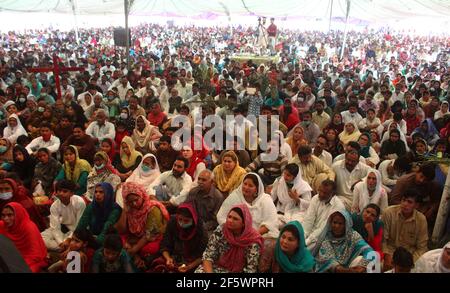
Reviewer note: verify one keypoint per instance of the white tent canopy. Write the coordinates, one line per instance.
(368, 10)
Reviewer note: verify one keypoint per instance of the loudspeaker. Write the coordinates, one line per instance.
(120, 37)
(10, 259)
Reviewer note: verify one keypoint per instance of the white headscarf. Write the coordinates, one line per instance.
(431, 262)
(262, 208)
(364, 198)
(439, 265)
(300, 186)
(145, 178)
(12, 133)
(142, 139)
(82, 102)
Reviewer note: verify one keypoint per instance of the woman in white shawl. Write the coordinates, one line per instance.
(285, 148)
(146, 174)
(291, 195)
(434, 261)
(189, 79)
(145, 135)
(14, 129)
(370, 190)
(86, 101)
(260, 204)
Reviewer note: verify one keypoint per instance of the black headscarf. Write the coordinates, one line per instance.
(24, 169)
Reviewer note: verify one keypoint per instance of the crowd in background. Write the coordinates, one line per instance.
(363, 140)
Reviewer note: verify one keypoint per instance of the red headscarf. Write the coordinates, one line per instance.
(234, 259)
(137, 218)
(21, 196)
(188, 234)
(119, 137)
(193, 162)
(26, 237)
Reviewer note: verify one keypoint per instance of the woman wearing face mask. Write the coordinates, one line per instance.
(36, 117)
(6, 155)
(183, 244)
(14, 129)
(369, 226)
(146, 173)
(112, 101)
(103, 171)
(12, 191)
(21, 102)
(339, 247)
(126, 120)
(370, 190)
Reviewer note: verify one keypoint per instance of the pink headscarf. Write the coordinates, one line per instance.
(137, 218)
(234, 259)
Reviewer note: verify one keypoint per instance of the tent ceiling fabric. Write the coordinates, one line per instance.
(370, 10)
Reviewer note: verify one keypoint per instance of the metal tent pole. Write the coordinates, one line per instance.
(77, 36)
(346, 29)
(127, 34)
(331, 14)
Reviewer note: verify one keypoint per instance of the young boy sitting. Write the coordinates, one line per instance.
(112, 258)
(403, 261)
(65, 213)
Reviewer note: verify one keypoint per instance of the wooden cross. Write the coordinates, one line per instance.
(56, 69)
